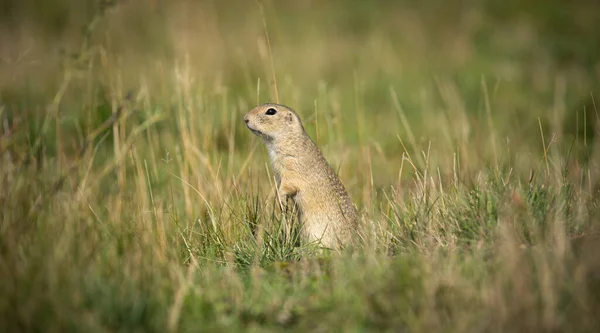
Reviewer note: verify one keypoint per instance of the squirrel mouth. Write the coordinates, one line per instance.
(258, 133)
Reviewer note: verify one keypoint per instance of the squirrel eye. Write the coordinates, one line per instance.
(271, 112)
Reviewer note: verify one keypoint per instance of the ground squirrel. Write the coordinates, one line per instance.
(302, 173)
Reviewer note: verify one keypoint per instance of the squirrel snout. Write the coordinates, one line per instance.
(246, 119)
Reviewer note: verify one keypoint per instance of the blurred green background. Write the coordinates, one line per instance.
(512, 61)
(464, 131)
(520, 45)
(530, 55)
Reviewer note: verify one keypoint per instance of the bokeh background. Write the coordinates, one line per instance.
(468, 65)
(134, 199)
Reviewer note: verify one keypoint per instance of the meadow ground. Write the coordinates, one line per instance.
(134, 199)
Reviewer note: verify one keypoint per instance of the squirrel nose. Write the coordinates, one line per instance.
(246, 119)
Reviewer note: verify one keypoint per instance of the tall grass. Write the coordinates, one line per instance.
(134, 199)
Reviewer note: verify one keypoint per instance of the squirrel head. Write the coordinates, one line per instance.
(273, 121)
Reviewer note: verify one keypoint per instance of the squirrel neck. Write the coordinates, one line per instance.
(294, 146)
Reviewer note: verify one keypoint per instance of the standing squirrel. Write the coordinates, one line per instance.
(325, 210)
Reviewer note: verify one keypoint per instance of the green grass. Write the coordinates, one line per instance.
(133, 198)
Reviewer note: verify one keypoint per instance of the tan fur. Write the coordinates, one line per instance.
(324, 208)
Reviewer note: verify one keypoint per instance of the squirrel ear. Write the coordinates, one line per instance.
(289, 117)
